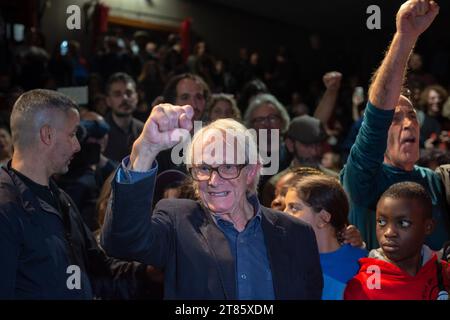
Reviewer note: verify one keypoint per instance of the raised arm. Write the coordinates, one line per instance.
(325, 108)
(413, 18)
(130, 231)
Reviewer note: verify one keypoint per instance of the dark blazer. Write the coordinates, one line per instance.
(181, 238)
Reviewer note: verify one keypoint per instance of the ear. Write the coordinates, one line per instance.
(252, 170)
(46, 134)
(289, 144)
(429, 226)
(324, 218)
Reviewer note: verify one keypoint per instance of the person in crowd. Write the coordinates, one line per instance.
(321, 201)
(151, 79)
(430, 116)
(184, 89)
(286, 180)
(387, 146)
(167, 185)
(188, 89)
(6, 147)
(250, 90)
(304, 141)
(89, 168)
(433, 158)
(269, 117)
(407, 268)
(47, 252)
(226, 246)
(331, 161)
(223, 106)
(122, 100)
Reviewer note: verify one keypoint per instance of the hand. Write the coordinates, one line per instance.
(332, 80)
(352, 235)
(431, 141)
(164, 128)
(158, 100)
(357, 98)
(415, 16)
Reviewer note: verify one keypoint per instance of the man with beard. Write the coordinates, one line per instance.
(387, 146)
(122, 99)
(183, 89)
(304, 141)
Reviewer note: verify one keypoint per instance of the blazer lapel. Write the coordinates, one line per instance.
(221, 253)
(275, 239)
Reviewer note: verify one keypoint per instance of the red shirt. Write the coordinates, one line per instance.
(394, 283)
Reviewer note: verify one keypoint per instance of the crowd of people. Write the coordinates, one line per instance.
(304, 209)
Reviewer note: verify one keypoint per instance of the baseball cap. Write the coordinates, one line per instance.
(307, 130)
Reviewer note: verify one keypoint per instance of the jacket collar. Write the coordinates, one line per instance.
(275, 239)
(29, 201)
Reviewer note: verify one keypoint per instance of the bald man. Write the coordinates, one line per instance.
(46, 251)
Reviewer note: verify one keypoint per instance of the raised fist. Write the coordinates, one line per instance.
(332, 80)
(415, 16)
(166, 126)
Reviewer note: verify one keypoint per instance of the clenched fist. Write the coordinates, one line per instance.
(415, 16)
(166, 126)
(332, 80)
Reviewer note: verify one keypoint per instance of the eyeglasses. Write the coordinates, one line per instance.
(225, 171)
(273, 119)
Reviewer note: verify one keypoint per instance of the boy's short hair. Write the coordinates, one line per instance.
(413, 191)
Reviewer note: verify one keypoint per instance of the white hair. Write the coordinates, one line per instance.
(231, 130)
(261, 99)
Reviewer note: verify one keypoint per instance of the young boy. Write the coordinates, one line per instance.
(403, 268)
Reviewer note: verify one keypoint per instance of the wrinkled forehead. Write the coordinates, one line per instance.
(215, 147)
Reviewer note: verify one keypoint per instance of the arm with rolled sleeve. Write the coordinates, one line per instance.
(367, 155)
(130, 231)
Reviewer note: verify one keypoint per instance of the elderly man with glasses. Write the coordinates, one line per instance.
(226, 245)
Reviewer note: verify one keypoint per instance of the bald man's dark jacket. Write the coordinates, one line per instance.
(38, 246)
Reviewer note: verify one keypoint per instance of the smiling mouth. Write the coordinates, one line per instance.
(219, 194)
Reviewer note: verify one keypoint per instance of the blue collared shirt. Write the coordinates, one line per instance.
(253, 273)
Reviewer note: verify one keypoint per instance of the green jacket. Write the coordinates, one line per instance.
(365, 177)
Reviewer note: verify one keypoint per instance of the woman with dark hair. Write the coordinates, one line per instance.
(321, 201)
